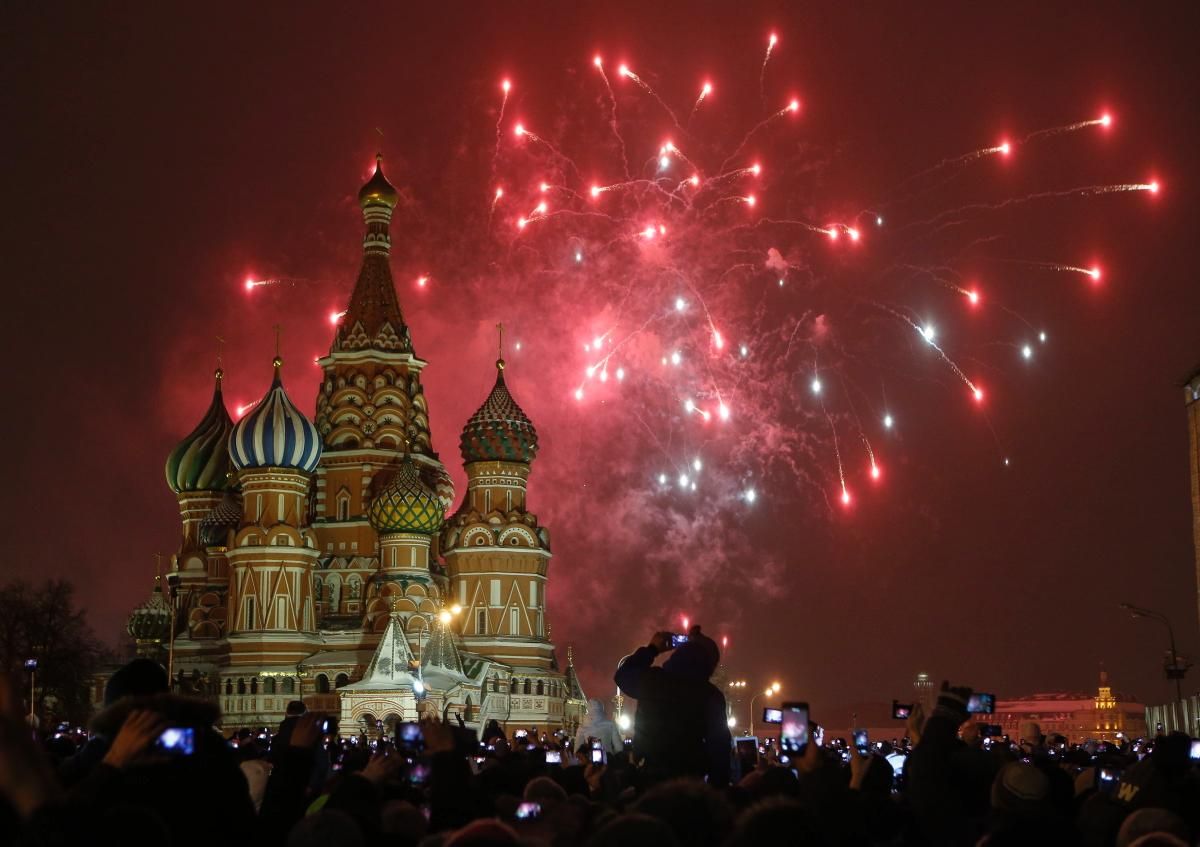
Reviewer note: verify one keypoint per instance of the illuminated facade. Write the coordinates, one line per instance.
(1079, 717)
(316, 561)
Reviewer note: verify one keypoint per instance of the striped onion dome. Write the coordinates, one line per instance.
(201, 461)
(406, 504)
(499, 431)
(274, 434)
(226, 515)
(151, 621)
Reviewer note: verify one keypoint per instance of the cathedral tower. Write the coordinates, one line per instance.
(272, 622)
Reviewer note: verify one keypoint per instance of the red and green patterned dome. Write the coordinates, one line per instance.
(406, 504)
(499, 431)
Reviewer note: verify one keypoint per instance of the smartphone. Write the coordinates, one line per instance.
(31, 664)
(410, 736)
(521, 733)
(1107, 779)
(598, 756)
(677, 639)
(554, 757)
(177, 740)
(418, 774)
(862, 743)
(529, 811)
(794, 728)
(981, 704)
(328, 725)
(1195, 751)
(901, 711)
(746, 750)
(772, 715)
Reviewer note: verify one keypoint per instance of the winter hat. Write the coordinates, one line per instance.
(696, 658)
(138, 678)
(1021, 789)
(1152, 823)
(1031, 732)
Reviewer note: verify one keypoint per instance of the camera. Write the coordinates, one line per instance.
(554, 757)
(678, 640)
(772, 715)
(981, 704)
(598, 756)
(521, 733)
(862, 743)
(901, 711)
(793, 738)
(177, 740)
(529, 811)
(328, 726)
(31, 664)
(1107, 779)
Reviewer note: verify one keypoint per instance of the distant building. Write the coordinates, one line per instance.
(923, 692)
(1191, 399)
(1077, 716)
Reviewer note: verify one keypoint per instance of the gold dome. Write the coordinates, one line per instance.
(378, 191)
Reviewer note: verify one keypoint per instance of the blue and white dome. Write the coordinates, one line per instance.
(274, 434)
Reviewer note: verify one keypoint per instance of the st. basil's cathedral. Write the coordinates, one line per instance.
(317, 561)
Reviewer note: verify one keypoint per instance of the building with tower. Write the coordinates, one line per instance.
(316, 560)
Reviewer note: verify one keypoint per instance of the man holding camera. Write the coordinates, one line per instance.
(681, 727)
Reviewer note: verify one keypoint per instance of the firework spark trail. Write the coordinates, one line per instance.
(862, 433)
(927, 335)
(1002, 149)
(1104, 121)
(522, 132)
(625, 71)
(1082, 191)
(792, 107)
(505, 86)
(612, 117)
(823, 230)
(1092, 272)
(705, 90)
(762, 74)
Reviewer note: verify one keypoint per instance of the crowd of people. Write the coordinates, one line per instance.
(154, 768)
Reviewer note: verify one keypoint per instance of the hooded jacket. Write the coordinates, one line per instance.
(600, 727)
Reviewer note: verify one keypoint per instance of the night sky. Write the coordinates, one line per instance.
(154, 158)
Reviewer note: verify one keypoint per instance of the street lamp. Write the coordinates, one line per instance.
(1174, 672)
(772, 689)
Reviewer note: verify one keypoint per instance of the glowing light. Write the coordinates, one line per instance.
(604, 375)
(519, 130)
(888, 421)
(624, 71)
(832, 232)
(517, 345)
(683, 480)
(744, 350)
(1152, 187)
(794, 106)
(927, 332)
(773, 40)
(751, 495)
(595, 191)
(853, 233)
(696, 465)
(845, 497)
(597, 342)
(544, 187)
(620, 374)
(781, 282)
(973, 296)
(249, 285)
(578, 257)
(756, 169)
(541, 208)
(505, 86)
(749, 200)
(879, 220)
(676, 358)
(1005, 148)
(816, 386)
(718, 341)
(334, 317)
(707, 89)
(680, 304)
(694, 180)
(456, 609)
(723, 412)
(522, 223)
(499, 193)
(874, 471)
(422, 281)
(624, 722)
(662, 479)
(1094, 273)
(689, 405)
(1042, 337)
(598, 62)
(1027, 352)
(664, 162)
(978, 394)
(444, 616)
(418, 687)
(687, 624)
(578, 393)
(1106, 119)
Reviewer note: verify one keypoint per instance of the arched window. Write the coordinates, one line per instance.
(228, 687)
(269, 685)
(254, 685)
(322, 684)
(241, 686)
(340, 680)
(541, 687)
(528, 686)
(343, 505)
(289, 685)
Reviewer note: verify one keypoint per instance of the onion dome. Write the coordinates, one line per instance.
(201, 461)
(406, 504)
(499, 431)
(378, 191)
(226, 515)
(151, 621)
(275, 434)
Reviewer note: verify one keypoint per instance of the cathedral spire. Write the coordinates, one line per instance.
(373, 318)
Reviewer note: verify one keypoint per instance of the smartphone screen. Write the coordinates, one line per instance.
(554, 757)
(1107, 779)
(180, 740)
(901, 711)
(981, 704)
(772, 715)
(677, 640)
(529, 811)
(1195, 751)
(747, 753)
(794, 728)
(597, 755)
(862, 743)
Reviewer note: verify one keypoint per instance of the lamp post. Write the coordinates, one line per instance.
(1174, 672)
(772, 689)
